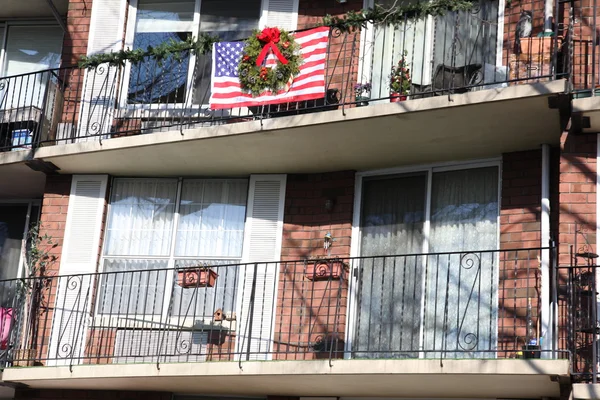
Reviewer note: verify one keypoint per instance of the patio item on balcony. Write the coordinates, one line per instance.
(325, 269)
(400, 80)
(327, 103)
(6, 318)
(362, 94)
(196, 277)
(456, 79)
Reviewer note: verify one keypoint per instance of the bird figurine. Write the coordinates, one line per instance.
(524, 27)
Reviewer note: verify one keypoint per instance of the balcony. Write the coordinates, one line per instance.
(468, 320)
(121, 119)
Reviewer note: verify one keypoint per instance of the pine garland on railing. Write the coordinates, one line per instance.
(396, 15)
(349, 22)
(167, 49)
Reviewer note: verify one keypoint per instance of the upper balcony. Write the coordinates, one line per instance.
(468, 320)
(463, 77)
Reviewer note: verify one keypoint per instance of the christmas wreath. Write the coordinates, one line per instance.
(255, 77)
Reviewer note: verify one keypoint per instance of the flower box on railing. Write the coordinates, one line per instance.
(196, 277)
(325, 269)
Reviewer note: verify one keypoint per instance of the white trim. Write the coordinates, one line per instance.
(429, 169)
(500, 33)
(436, 167)
(546, 331)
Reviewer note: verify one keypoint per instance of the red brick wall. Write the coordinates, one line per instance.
(52, 223)
(309, 311)
(520, 209)
(344, 50)
(59, 394)
(520, 214)
(577, 192)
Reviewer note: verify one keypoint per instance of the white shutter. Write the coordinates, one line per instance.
(280, 13)
(79, 257)
(100, 84)
(262, 249)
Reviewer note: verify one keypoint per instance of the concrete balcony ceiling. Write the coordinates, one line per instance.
(31, 8)
(509, 378)
(478, 124)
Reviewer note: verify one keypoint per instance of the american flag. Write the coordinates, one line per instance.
(309, 84)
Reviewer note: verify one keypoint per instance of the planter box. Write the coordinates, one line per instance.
(196, 277)
(324, 270)
(536, 46)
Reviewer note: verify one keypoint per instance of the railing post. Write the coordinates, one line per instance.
(251, 312)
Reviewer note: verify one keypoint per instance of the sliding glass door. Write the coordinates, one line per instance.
(430, 294)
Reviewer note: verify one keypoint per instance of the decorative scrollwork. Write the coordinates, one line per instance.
(74, 282)
(94, 127)
(469, 260)
(470, 341)
(335, 32)
(183, 346)
(101, 69)
(65, 350)
(3, 84)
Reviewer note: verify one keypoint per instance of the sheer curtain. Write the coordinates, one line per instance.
(393, 215)
(211, 226)
(457, 311)
(461, 290)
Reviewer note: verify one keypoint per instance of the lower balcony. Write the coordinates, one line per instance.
(468, 321)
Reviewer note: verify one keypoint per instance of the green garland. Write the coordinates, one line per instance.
(350, 22)
(171, 48)
(255, 79)
(354, 20)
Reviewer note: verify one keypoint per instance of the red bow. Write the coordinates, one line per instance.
(270, 36)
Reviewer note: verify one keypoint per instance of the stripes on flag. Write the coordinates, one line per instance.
(309, 84)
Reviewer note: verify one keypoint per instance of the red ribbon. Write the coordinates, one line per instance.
(270, 36)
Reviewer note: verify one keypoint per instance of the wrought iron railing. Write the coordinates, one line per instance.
(455, 53)
(578, 301)
(480, 304)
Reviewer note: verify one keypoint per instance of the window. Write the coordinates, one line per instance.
(139, 253)
(158, 21)
(437, 211)
(28, 49)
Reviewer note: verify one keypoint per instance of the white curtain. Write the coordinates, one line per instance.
(461, 290)
(457, 312)
(393, 215)
(141, 217)
(212, 215)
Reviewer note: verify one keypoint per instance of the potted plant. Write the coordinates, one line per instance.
(196, 276)
(362, 94)
(400, 80)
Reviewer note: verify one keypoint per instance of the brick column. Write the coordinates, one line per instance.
(310, 311)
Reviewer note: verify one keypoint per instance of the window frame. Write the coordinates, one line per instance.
(124, 321)
(4, 28)
(129, 38)
(355, 242)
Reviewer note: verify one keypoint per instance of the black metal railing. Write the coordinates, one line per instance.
(480, 304)
(454, 53)
(578, 301)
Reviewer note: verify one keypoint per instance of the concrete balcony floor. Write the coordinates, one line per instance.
(508, 378)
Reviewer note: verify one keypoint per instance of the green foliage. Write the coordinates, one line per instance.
(39, 257)
(400, 77)
(257, 79)
(172, 48)
(354, 20)
(349, 22)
